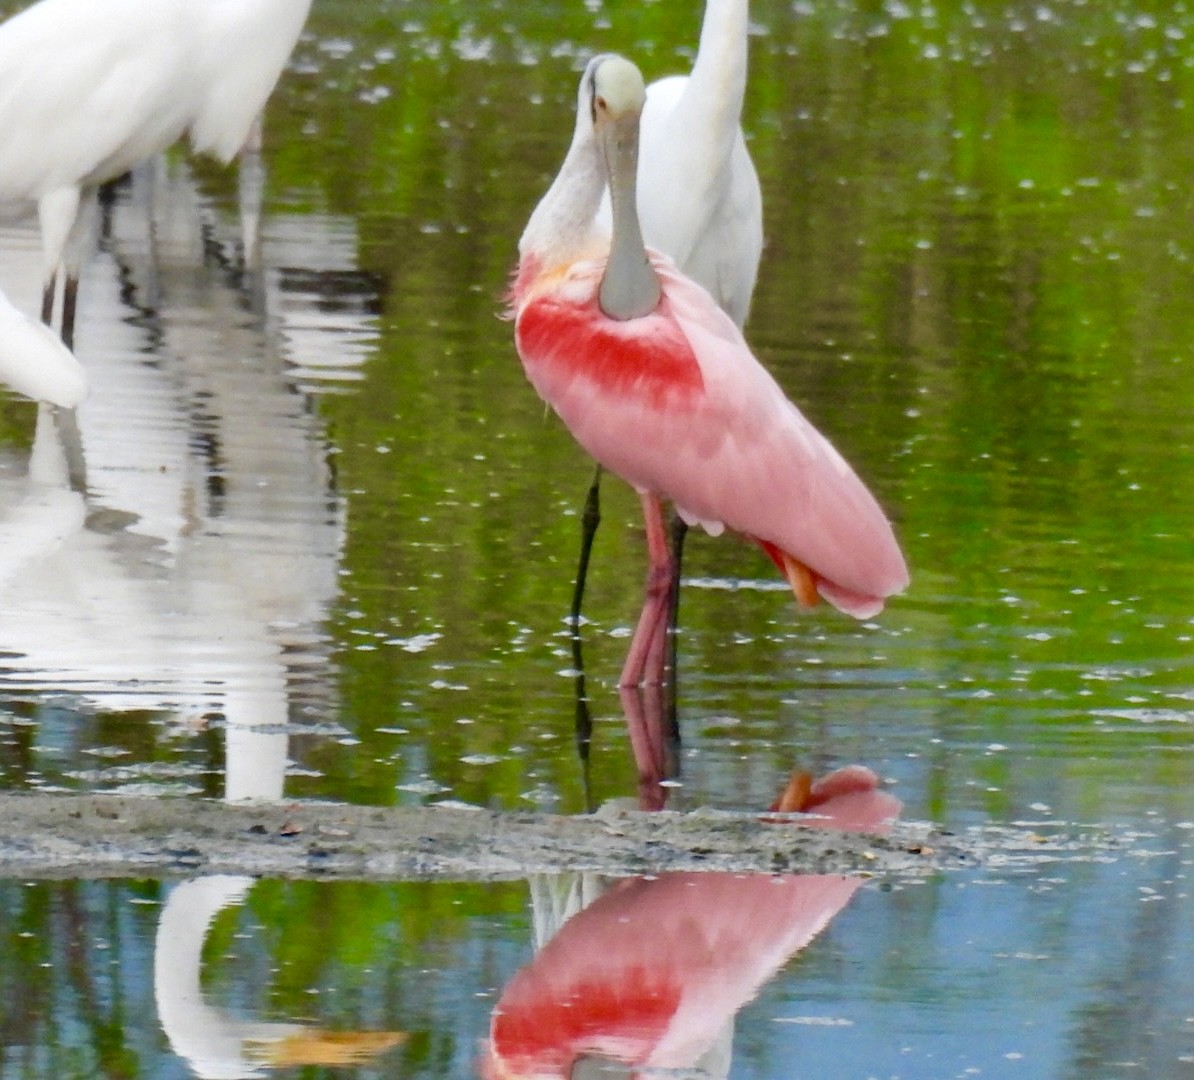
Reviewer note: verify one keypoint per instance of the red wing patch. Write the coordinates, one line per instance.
(647, 359)
(634, 1010)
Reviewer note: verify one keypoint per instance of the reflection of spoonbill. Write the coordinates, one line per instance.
(35, 363)
(651, 974)
(657, 383)
(699, 200)
(87, 90)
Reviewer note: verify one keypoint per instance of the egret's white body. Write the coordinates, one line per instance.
(35, 363)
(87, 90)
(699, 200)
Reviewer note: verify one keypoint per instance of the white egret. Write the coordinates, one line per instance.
(87, 90)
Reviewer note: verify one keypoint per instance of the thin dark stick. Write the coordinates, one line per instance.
(70, 296)
(583, 720)
(672, 672)
(590, 519)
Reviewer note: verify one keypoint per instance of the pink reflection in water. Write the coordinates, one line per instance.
(651, 974)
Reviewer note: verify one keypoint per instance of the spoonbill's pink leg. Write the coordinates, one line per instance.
(648, 741)
(648, 649)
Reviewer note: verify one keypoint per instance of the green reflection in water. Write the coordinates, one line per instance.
(77, 961)
(976, 281)
(978, 234)
(979, 237)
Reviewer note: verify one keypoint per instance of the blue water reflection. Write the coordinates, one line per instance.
(977, 971)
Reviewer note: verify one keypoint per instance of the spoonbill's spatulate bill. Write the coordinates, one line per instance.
(699, 200)
(657, 383)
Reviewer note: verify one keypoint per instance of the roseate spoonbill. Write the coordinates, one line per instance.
(656, 382)
(35, 363)
(699, 200)
(88, 90)
(648, 977)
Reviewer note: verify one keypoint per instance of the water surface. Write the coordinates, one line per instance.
(329, 534)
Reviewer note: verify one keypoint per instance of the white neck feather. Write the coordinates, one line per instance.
(717, 84)
(563, 227)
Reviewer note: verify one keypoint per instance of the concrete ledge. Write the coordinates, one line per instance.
(94, 836)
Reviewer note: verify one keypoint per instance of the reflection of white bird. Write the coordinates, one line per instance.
(698, 193)
(216, 1043)
(211, 1040)
(88, 90)
(194, 577)
(195, 574)
(35, 363)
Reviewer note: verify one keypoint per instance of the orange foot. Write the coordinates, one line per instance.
(794, 798)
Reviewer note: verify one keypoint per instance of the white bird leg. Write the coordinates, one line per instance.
(67, 421)
(70, 303)
(57, 455)
(648, 649)
(81, 244)
(56, 213)
(48, 289)
(69, 217)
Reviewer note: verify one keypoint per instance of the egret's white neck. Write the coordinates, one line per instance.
(718, 78)
(563, 227)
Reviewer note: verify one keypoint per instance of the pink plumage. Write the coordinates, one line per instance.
(677, 405)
